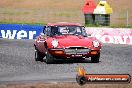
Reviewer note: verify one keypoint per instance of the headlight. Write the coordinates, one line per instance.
(95, 43)
(54, 43)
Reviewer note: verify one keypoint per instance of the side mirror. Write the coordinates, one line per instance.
(42, 35)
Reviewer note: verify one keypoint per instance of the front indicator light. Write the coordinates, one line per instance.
(58, 52)
(94, 52)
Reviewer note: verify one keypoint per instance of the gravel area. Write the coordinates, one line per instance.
(17, 63)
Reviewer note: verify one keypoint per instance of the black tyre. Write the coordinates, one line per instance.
(38, 56)
(49, 58)
(95, 59)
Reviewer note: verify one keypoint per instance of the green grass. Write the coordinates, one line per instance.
(88, 25)
(111, 26)
(33, 23)
(121, 26)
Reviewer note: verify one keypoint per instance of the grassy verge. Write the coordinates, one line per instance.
(33, 23)
(121, 26)
(117, 26)
(89, 25)
(40, 11)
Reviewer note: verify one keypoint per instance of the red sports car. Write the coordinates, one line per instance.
(66, 41)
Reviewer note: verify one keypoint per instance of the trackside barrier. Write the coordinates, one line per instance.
(105, 35)
(112, 35)
(19, 31)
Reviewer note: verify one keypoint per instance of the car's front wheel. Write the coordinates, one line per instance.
(38, 56)
(49, 58)
(95, 59)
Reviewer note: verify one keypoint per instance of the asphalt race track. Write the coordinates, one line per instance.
(17, 63)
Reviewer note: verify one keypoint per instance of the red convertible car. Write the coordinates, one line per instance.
(66, 41)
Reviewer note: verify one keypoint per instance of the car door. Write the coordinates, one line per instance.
(42, 39)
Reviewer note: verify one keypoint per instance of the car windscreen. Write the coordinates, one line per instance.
(72, 30)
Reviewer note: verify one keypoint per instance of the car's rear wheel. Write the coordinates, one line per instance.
(38, 56)
(49, 58)
(95, 59)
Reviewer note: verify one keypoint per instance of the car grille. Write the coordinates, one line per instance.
(76, 51)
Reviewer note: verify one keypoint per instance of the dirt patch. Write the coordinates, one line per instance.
(66, 85)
